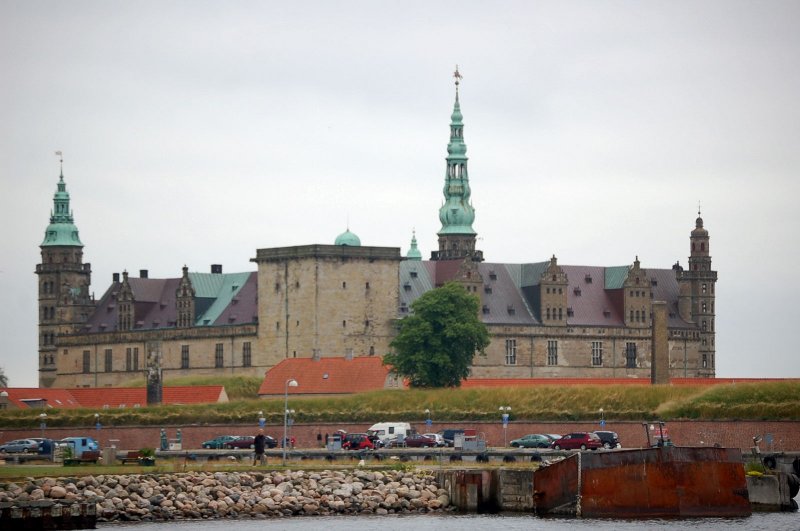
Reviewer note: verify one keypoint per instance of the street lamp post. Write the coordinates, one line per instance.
(291, 382)
(261, 420)
(428, 421)
(43, 422)
(602, 418)
(504, 412)
(97, 424)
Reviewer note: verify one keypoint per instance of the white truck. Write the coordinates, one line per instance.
(390, 431)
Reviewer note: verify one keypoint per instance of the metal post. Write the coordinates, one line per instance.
(43, 422)
(291, 382)
(504, 410)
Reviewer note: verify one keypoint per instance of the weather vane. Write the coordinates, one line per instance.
(61, 161)
(698, 208)
(457, 75)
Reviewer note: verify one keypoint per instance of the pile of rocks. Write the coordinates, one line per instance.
(239, 494)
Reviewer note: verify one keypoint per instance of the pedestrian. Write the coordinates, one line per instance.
(258, 444)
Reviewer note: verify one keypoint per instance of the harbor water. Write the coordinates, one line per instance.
(450, 522)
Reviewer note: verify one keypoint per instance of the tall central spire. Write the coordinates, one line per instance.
(456, 237)
(62, 230)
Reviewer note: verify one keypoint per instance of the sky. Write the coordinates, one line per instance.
(197, 132)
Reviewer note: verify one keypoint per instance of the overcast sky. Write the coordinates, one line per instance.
(197, 132)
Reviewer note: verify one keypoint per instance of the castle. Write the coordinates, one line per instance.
(343, 300)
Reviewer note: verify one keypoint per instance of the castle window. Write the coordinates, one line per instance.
(705, 326)
(511, 351)
(492, 275)
(693, 246)
(407, 286)
(246, 354)
(108, 360)
(631, 319)
(366, 286)
(705, 307)
(703, 288)
(548, 313)
(637, 315)
(630, 355)
(413, 274)
(277, 325)
(702, 246)
(511, 310)
(597, 353)
(366, 323)
(344, 285)
(560, 291)
(128, 359)
(548, 290)
(552, 352)
(487, 289)
(588, 278)
(87, 367)
(184, 356)
(344, 324)
(371, 350)
(218, 356)
(705, 360)
(135, 358)
(485, 310)
(577, 291)
(277, 286)
(570, 312)
(560, 314)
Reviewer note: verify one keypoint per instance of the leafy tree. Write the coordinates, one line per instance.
(437, 342)
(3, 378)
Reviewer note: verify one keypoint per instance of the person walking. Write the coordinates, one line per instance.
(258, 444)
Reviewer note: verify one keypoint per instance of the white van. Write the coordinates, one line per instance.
(389, 431)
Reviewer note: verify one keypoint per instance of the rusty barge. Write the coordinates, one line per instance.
(669, 481)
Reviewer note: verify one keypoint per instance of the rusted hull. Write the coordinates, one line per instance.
(653, 482)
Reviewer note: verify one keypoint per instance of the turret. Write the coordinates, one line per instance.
(64, 280)
(553, 295)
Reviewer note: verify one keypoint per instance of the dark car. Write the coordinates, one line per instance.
(532, 440)
(24, 446)
(357, 441)
(249, 441)
(578, 440)
(450, 434)
(609, 439)
(419, 441)
(219, 442)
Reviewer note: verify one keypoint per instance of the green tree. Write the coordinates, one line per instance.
(437, 342)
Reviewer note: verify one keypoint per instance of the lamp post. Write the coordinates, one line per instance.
(97, 424)
(428, 421)
(261, 420)
(504, 412)
(602, 418)
(291, 382)
(43, 422)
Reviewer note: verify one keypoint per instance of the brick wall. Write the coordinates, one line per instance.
(734, 434)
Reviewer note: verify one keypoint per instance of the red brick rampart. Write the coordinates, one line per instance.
(734, 434)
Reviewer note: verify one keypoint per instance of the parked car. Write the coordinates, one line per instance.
(532, 440)
(249, 441)
(218, 442)
(578, 440)
(449, 435)
(436, 437)
(17, 446)
(357, 441)
(418, 440)
(609, 439)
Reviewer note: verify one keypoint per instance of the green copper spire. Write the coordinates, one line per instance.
(413, 254)
(62, 230)
(456, 214)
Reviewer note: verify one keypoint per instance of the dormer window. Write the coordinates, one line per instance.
(588, 278)
(413, 274)
(485, 310)
(492, 275)
(577, 291)
(487, 289)
(511, 310)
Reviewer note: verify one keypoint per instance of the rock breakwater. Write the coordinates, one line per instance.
(239, 494)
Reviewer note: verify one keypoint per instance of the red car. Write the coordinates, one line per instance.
(419, 441)
(577, 441)
(357, 441)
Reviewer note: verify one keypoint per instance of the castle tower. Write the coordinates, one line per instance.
(697, 295)
(64, 301)
(457, 237)
(637, 297)
(413, 253)
(553, 295)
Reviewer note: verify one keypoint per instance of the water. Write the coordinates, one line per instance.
(770, 521)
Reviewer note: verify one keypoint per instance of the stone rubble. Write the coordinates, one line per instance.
(239, 494)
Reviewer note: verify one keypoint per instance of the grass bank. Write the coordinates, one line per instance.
(747, 401)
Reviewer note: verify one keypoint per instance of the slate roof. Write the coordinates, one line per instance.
(510, 294)
(220, 299)
(112, 397)
(328, 376)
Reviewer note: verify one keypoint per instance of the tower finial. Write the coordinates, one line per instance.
(458, 77)
(61, 162)
(698, 208)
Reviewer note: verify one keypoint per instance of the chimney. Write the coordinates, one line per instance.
(115, 277)
(216, 269)
(143, 273)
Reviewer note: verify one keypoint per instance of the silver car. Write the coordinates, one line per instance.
(25, 446)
